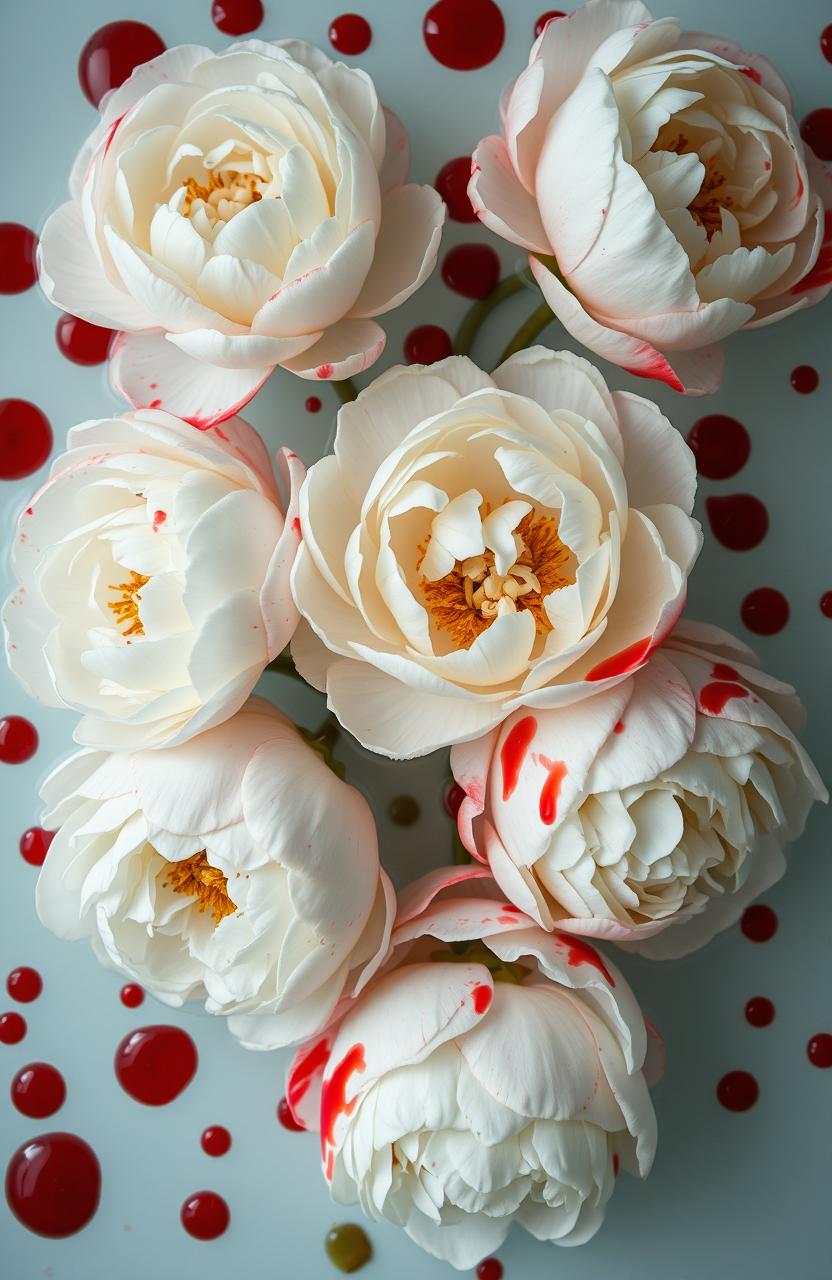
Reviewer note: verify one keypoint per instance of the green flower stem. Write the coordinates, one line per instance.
(477, 314)
(526, 334)
(345, 389)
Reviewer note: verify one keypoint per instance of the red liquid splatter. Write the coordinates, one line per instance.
(819, 1050)
(580, 952)
(313, 404)
(547, 17)
(205, 1215)
(334, 1100)
(111, 54)
(759, 1011)
(350, 34)
(159, 518)
(825, 604)
(12, 1028)
(481, 997)
(513, 753)
(53, 1184)
(453, 798)
(472, 270)
(759, 923)
(236, 17)
(721, 671)
(38, 1090)
(714, 697)
(826, 42)
(739, 521)
(34, 845)
(765, 611)
(621, 663)
(284, 1115)
(452, 184)
(155, 1064)
(618, 727)
(305, 1069)
(805, 379)
(464, 34)
(550, 791)
(737, 1091)
(132, 995)
(18, 260)
(816, 132)
(720, 444)
(490, 1269)
(25, 439)
(215, 1140)
(426, 344)
(24, 984)
(82, 342)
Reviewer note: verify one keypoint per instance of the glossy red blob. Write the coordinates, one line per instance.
(53, 1184)
(759, 1011)
(112, 52)
(550, 791)
(452, 184)
(155, 1064)
(737, 1091)
(765, 611)
(759, 922)
(490, 1269)
(334, 1100)
(464, 34)
(805, 379)
(215, 1140)
(82, 342)
(620, 663)
(819, 1050)
(284, 1115)
(426, 344)
(513, 753)
(714, 697)
(453, 798)
(38, 1090)
(472, 270)
(481, 997)
(350, 34)
(825, 604)
(236, 17)
(580, 952)
(304, 1070)
(816, 132)
(739, 521)
(547, 17)
(12, 1028)
(720, 444)
(131, 995)
(205, 1215)
(313, 404)
(826, 42)
(34, 845)
(24, 984)
(25, 439)
(18, 257)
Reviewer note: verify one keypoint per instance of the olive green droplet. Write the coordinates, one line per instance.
(347, 1246)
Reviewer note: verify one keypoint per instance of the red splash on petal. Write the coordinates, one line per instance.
(302, 1072)
(721, 671)
(714, 697)
(622, 663)
(618, 727)
(580, 952)
(481, 997)
(159, 518)
(550, 792)
(513, 753)
(334, 1101)
(324, 371)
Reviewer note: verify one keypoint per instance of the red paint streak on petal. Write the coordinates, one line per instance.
(801, 187)
(334, 1101)
(714, 696)
(303, 1072)
(509, 906)
(154, 404)
(656, 367)
(296, 525)
(622, 663)
(618, 727)
(159, 517)
(580, 952)
(111, 132)
(513, 753)
(721, 671)
(324, 371)
(616, 1163)
(752, 74)
(481, 997)
(551, 789)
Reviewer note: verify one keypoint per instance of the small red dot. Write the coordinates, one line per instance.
(12, 1028)
(737, 1091)
(759, 1011)
(350, 34)
(720, 445)
(452, 184)
(18, 740)
(826, 604)
(24, 984)
(464, 34)
(472, 270)
(819, 1050)
(236, 17)
(111, 55)
(805, 379)
(826, 42)
(286, 1118)
(313, 404)
(25, 439)
(18, 257)
(816, 132)
(427, 344)
(547, 17)
(490, 1269)
(765, 611)
(38, 1090)
(215, 1140)
(34, 845)
(205, 1215)
(759, 923)
(82, 342)
(453, 798)
(132, 995)
(739, 520)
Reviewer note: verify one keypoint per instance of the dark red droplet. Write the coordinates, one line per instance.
(490, 1269)
(805, 379)
(112, 53)
(53, 1184)
(205, 1215)
(12, 1028)
(38, 1090)
(215, 1140)
(284, 1115)
(737, 1091)
(547, 17)
(155, 1064)
(720, 444)
(819, 1050)
(427, 344)
(826, 42)
(739, 521)
(24, 984)
(825, 604)
(18, 257)
(452, 184)
(472, 270)
(765, 611)
(25, 439)
(132, 995)
(759, 923)
(759, 1011)
(350, 34)
(452, 798)
(816, 132)
(82, 342)
(464, 34)
(313, 404)
(236, 17)
(34, 845)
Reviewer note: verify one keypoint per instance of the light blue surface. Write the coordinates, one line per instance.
(731, 1197)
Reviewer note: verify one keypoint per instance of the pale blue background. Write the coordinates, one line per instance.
(731, 1197)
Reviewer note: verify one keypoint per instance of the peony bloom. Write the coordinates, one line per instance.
(238, 211)
(656, 810)
(661, 187)
(154, 577)
(481, 1082)
(236, 869)
(482, 543)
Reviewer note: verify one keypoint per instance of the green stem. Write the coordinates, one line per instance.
(526, 334)
(477, 314)
(345, 389)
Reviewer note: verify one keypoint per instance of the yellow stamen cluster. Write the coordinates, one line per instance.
(224, 193)
(711, 197)
(197, 877)
(126, 607)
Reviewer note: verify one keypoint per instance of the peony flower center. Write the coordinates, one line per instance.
(712, 197)
(196, 876)
(225, 193)
(126, 606)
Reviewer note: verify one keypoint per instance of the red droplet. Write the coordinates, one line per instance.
(38, 1090)
(111, 54)
(714, 697)
(805, 379)
(816, 132)
(350, 34)
(765, 611)
(819, 1050)
(132, 995)
(737, 1091)
(616, 1163)
(34, 845)
(304, 1070)
(334, 1100)
(618, 727)
(53, 1184)
(205, 1215)
(284, 1115)
(490, 1269)
(481, 997)
(313, 404)
(472, 270)
(826, 42)
(25, 439)
(825, 604)
(12, 1028)
(580, 952)
(426, 344)
(24, 984)
(82, 342)
(236, 17)
(215, 1140)
(720, 444)
(759, 923)
(18, 257)
(739, 521)
(452, 184)
(547, 17)
(155, 1064)
(464, 34)
(550, 792)
(513, 753)
(453, 798)
(621, 663)
(759, 1011)
(721, 671)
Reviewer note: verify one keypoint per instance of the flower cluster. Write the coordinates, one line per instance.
(493, 562)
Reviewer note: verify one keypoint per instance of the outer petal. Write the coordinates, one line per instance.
(501, 202)
(406, 247)
(347, 348)
(72, 277)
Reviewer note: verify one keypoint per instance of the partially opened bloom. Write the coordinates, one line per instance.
(153, 570)
(237, 211)
(478, 543)
(653, 813)
(236, 869)
(481, 1082)
(660, 184)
